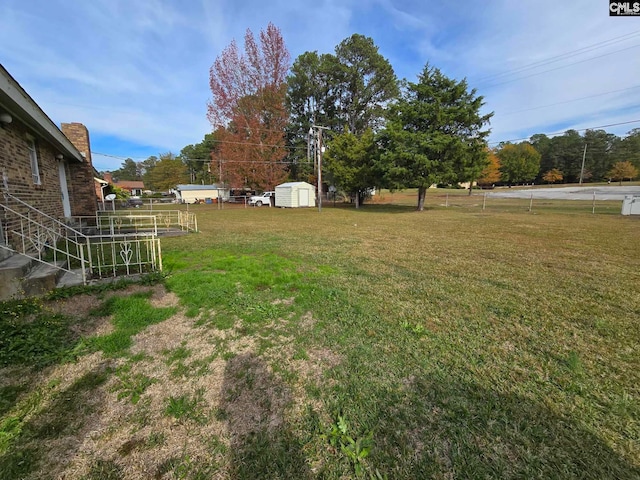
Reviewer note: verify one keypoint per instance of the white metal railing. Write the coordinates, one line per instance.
(45, 239)
(125, 254)
(144, 221)
(187, 221)
(131, 223)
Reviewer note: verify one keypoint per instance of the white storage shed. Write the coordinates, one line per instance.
(295, 194)
(191, 193)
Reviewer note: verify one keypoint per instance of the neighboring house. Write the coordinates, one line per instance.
(193, 193)
(295, 194)
(44, 166)
(132, 187)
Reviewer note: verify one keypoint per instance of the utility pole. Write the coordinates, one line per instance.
(319, 154)
(584, 155)
(220, 200)
(309, 138)
(319, 170)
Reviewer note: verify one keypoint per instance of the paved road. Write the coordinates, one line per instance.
(611, 192)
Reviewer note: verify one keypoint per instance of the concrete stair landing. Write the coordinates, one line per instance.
(21, 276)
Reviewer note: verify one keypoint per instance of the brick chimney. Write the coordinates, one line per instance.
(78, 134)
(80, 178)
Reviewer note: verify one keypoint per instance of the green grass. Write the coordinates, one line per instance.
(32, 336)
(44, 416)
(469, 339)
(452, 343)
(186, 407)
(130, 316)
(131, 385)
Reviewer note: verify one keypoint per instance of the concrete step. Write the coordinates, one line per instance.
(12, 271)
(42, 278)
(70, 279)
(4, 252)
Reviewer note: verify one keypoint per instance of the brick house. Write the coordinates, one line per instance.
(43, 165)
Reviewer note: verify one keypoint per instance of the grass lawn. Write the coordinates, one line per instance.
(379, 343)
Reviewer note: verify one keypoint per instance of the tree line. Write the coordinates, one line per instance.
(377, 131)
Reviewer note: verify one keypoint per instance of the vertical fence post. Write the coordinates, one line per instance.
(446, 202)
(83, 262)
(593, 208)
(531, 202)
(484, 201)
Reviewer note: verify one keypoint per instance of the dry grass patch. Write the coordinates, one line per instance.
(236, 396)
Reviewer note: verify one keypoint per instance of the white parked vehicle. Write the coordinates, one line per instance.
(264, 199)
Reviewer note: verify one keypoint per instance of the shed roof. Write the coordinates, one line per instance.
(294, 184)
(187, 188)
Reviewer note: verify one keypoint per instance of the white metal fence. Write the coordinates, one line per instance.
(145, 221)
(34, 234)
(119, 255)
(129, 244)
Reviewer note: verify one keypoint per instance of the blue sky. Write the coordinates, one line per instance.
(136, 72)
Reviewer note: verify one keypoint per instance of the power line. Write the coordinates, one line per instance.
(307, 162)
(561, 67)
(572, 100)
(208, 160)
(562, 56)
(218, 141)
(560, 133)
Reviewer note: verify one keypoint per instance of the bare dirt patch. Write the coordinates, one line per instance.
(283, 301)
(143, 439)
(123, 432)
(78, 306)
(253, 399)
(307, 321)
(161, 298)
(93, 326)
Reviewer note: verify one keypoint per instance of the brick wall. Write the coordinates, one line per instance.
(16, 165)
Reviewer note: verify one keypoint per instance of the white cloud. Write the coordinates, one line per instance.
(136, 73)
(537, 32)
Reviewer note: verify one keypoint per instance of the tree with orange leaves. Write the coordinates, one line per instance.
(491, 173)
(248, 110)
(552, 176)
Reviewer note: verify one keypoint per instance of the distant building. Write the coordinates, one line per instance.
(193, 193)
(132, 187)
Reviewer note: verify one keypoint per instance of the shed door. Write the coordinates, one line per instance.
(303, 197)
